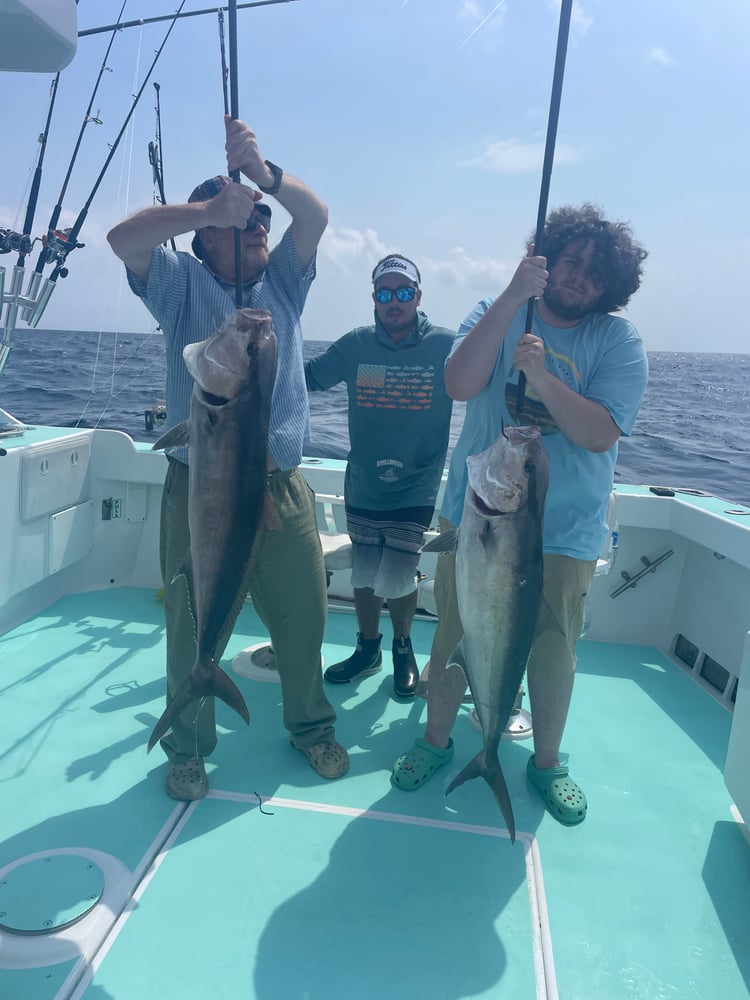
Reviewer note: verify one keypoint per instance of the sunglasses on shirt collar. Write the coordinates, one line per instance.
(404, 294)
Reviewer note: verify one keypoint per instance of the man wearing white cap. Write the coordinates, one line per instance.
(399, 421)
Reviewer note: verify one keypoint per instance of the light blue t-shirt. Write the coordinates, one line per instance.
(603, 359)
(190, 303)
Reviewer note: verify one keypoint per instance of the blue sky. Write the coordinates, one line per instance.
(422, 124)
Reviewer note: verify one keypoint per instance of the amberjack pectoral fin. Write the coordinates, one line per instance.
(493, 775)
(175, 437)
(446, 541)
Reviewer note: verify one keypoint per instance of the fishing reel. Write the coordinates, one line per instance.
(57, 245)
(12, 242)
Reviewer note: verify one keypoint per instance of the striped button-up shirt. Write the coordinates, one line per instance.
(190, 302)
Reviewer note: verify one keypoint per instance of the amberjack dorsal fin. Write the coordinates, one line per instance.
(175, 437)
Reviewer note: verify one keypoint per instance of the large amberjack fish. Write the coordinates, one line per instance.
(228, 505)
(499, 575)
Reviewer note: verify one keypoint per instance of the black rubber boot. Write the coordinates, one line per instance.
(405, 670)
(365, 660)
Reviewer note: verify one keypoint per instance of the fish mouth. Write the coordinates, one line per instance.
(211, 400)
(484, 508)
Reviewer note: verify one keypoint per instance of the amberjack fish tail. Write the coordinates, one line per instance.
(490, 770)
(204, 680)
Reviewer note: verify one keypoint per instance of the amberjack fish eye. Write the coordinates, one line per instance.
(528, 467)
(251, 349)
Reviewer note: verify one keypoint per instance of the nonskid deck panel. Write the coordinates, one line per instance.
(373, 889)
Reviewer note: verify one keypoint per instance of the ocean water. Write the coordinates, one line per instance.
(693, 430)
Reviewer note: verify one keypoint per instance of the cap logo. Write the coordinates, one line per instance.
(396, 265)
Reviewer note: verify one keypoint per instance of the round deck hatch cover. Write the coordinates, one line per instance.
(49, 893)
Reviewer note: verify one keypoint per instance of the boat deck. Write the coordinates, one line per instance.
(354, 889)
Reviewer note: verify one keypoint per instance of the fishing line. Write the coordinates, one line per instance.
(78, 224)
(224, 70)
(549, 154)
(156, 158)
(86, 119)
(35, 184)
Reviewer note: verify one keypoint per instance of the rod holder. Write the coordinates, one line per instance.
(41, 303)
(12, 300)
(649, 566)
(31, 294)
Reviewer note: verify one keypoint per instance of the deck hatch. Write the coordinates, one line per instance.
(49, 893)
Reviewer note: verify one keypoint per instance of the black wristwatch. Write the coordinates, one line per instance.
(275, 184)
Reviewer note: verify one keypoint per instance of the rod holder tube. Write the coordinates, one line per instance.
(31, 294)
(5, 346)
(16, 284)
(41, 305)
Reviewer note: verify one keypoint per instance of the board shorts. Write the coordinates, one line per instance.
(385, 548)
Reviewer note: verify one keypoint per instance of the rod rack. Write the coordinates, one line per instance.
(649, 566)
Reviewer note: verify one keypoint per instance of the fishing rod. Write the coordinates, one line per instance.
(166, 17)
(58, 240)
(235, 114)
(549, 154)
(23, 241)
(34, 193)
(155, 158)
(224, 70)
(72, 237)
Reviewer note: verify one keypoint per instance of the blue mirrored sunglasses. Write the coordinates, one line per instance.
(404, 294)
(261, 216)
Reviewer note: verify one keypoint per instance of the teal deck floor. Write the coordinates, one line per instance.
(354, 889)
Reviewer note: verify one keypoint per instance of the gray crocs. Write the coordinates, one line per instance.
(186, 780)
(328, 759)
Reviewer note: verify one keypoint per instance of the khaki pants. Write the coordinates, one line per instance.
(566, 584)
(288, 587)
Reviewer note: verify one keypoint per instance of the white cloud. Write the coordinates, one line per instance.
(354, 251)
(348, 249)
(515, 156)
(659, 55)
(460, 269)
(485, 17)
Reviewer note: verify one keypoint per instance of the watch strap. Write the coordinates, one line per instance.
(278, 174)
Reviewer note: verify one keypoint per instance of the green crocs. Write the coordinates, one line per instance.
(415, 767)
(562, 796)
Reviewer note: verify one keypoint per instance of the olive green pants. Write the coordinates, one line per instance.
(287, 583)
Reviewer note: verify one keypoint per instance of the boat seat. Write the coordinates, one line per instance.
(337, 551)
(259, 661)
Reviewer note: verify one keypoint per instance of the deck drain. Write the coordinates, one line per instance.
(49, 893)
(258, 662)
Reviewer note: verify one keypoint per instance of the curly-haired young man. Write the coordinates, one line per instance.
(586, 372)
